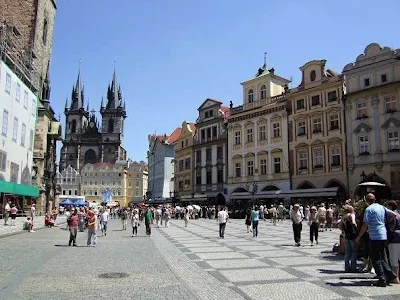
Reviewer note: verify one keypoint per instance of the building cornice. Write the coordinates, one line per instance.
(372, 89)
(324, 86)
(251, 114)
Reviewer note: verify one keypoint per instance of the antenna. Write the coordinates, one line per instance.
(265, 59)
(291, 81)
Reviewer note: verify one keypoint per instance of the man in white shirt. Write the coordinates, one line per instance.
(103, 221)
(222, 219)
(297, 217)
(7, 209)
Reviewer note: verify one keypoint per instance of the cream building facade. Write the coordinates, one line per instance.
(373, 119)
(95, 178)
(257, 139)
(183, 174)
(317, 133)
(137, 180)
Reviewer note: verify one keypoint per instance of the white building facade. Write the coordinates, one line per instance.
(18, 111)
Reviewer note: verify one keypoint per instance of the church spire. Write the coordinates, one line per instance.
(77, 93)
(114, 93)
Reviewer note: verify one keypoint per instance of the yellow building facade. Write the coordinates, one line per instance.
(373, 120)
(137, 181)
(317, 143)
(183, 169)
(257, 138)
(99, 176)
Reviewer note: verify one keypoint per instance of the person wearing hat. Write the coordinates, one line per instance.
(297, 217)
(314, 225)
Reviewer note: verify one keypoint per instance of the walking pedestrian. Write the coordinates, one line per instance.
(73, 222)
(13, 214)
(92, 229)
(247, 221)
(148, 219)
(104, 216)
(255, 218)
(297, 217)
(135, 222)
(222, 219)
(7, 209)
(348, 226)
(124, 218)
(314, 225)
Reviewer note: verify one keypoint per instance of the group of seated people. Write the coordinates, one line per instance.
(49, 221)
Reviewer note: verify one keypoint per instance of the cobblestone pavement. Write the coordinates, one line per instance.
(180, 263)
(7, 230)
(269, 266)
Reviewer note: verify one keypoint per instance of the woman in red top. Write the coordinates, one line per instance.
(13, 214)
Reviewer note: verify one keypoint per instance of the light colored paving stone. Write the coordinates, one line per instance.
(256, 275)
(257, 248)
(210, 249)
(273, 254)
(300, 260)
(236, 263)
(226, 255)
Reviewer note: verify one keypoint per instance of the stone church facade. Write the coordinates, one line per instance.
(87, 139)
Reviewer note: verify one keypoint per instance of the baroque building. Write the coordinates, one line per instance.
(210, 167)
(69, 182)
(257, 139)
(183, 174)
(317, 133)
(373, 120)
(137, 179)
(161, 165)
(86, 139)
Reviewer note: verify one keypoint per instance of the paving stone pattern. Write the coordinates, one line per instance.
(269, 266)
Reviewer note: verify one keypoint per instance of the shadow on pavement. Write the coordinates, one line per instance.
(326, 271)
(353, 283)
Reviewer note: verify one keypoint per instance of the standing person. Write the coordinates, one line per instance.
(73, 222)
(322, 216)
(247, 221)
(297, 217)
(273, 214)
(7, 209)
(124, 218)
(329, 218)
(167, 217)
(348, 226)
(186, 217)
(394, 239)
(375, 217)
(314, 225)
(104, 217)
(255, 217)
(262, 216)
(148, 219)
(13, 214)
(222, 219)
(280, 212)
(135, 222)
(92, 222)
(33, 215)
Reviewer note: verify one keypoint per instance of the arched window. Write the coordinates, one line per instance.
(70, 157)
(111, 125)
(250, 96)
(90, 156)
(263, 92)
(73, 126)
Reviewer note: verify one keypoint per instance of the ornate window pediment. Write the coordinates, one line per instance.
(317, 143)
(334, 140)
(249, 154)
(362, 128)
(391, 122)
(301, 145)
(237, 157)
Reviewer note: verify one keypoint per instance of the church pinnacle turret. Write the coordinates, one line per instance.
(114, 96)
(77, 101)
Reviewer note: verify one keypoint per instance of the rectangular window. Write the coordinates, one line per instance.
(303, 160)
(332, 96)
(276, 130)
(383, 78)
(8, 83)
(220, 176)
(362, 110)
(14, 170)
(366, 82)
(186, 142)
(393, 141)
(198, 156)
(301, 128)
(180, 166)
(317, 125)
(15, 130)
(220, 152)
(335, 157)
(198, 179)
(3, 160)
(334, 122)
(237, 137)
(363, 144)
(208, 155)
(263, 166)
(249, 135)
(277, 165)
(182, 144)
(238, 170)
(261, 133)
(26, 97)
(4, 127)
(315, 100)
(209, 134)
(250, 168)
(203, 135)
(214, 132)
(208, 177)
(300, 104)
(23, 134)
(18, 93)
(187, 163)
(390, 104)
(318, 158)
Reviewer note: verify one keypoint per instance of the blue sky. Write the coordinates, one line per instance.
(173, 54)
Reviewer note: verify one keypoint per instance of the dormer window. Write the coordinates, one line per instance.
(383, 78)
(208, 114)
(313, 75)
(263, 91)
(250, 96)
(366, 82)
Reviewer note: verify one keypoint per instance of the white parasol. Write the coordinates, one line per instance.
(372, 183)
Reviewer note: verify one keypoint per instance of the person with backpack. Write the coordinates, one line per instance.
(348, 226)
(393, 228)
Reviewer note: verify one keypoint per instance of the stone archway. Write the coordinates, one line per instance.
(305, 185)
(240, 190)
(333, 183)
(269, 188)
(90, 157)
(381, 192)
(220, 199)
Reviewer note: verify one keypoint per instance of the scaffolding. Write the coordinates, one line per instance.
(14, 53)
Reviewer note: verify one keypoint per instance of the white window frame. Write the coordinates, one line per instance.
(23, 135)
(33, 107)
(390, 103)
(250, 96)
(238, 167)
(26, 99)
(318, 157)
(362, 109)
(263, 92)
(303, 160)
(250, 168)
(277, 161)
(18, 93)
(263, 166)
(393, 140)
(7, 88)
(3, 160)
(237, 137)
(276, 129)
(336, 152)
(334, 120)
(15, 130)
(363, 143)
(301, 128)
(4, 128)
(262, 130)
(317, 124)
(249, 135)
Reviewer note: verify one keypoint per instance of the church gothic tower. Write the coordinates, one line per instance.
(85, 140)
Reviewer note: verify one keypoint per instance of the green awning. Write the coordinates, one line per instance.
(18, 189)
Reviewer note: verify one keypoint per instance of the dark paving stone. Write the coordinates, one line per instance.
(218, 276)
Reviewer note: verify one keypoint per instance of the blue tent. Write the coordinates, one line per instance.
(66, 202)
(80, 202)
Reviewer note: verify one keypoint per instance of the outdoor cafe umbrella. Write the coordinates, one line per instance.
(66, 202)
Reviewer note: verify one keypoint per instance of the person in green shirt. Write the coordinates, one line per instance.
(148, 218)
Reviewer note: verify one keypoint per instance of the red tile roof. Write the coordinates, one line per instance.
(226, 111)
(174, 136)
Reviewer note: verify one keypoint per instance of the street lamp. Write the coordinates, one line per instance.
(363, 177)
